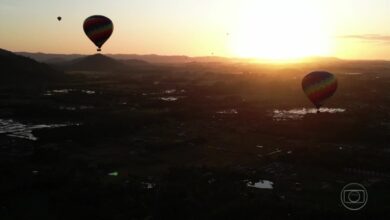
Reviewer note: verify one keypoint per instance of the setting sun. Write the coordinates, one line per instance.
(194, 109)
(267, 30)
(280, 30)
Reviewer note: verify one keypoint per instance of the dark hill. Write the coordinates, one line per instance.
(96, 62)
(140, 65)
(17, 69)
(134, 62)
(47, 58)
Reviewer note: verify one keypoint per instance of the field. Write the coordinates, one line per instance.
(187, 141)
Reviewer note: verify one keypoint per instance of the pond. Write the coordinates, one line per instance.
(297, 114)
(67, 91)
(262, 184)
(228, 112)
(15, 129)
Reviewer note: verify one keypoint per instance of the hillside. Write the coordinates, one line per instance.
(95, 62)
(150, 58)
(22, 70)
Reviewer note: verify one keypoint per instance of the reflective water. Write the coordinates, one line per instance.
(297, 114)
(228, 112)
(165, 92)
(75, 108)
(275, 152)
(147, 185)
(15, 129)
(113, 174)
(170, 91)
(67, 91)
(170, 98)
(88, 92)
(262, 184)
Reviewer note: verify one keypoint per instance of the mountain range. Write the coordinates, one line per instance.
(151, 58)
(16, 69)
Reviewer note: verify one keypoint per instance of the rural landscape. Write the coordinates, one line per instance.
(177, 137)
(218, 109)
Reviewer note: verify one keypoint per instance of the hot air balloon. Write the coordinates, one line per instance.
(98, 29)
(319, 86)
(59, 18)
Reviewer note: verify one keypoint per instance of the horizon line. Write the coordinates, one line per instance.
(292, 60)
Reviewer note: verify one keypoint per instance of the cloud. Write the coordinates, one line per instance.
(369, 37)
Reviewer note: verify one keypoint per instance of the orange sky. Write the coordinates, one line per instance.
(273, 29)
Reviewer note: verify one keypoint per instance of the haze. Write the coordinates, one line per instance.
(277, 29)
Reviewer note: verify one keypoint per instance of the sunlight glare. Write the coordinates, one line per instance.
(280, 30)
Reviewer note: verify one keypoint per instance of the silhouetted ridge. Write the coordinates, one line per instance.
(96, 62)
(5, 52)
(23, 70)
(134, 62)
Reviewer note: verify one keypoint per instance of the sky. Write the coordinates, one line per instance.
(267, 29)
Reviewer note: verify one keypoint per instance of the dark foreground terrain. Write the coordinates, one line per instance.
(189, 141)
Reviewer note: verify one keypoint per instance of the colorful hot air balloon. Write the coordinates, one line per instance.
(319, 86)
(98, 29)
(59, 18)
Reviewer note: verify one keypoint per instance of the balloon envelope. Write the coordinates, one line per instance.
(319, 86)
(98, 29)
(59, 18)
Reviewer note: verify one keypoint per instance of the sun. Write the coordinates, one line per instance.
(280, 30)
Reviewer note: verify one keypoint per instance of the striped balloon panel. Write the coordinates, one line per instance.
(319, 86)
(99, 29)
